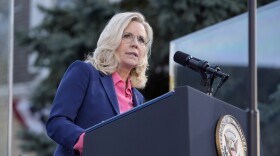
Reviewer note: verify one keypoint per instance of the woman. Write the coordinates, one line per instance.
(104, 85)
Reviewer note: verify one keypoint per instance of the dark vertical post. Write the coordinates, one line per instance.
(254, 142)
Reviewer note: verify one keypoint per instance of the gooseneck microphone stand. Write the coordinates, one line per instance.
(209, 77)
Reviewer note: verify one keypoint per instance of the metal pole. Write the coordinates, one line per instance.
(10, 80)
(254, 148)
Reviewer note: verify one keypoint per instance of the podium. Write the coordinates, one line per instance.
(179, 123)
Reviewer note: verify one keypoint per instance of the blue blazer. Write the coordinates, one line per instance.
(84, 98)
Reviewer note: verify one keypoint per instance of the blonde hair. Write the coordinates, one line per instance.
(104, 57)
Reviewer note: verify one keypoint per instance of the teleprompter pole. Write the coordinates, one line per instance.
(254, 146)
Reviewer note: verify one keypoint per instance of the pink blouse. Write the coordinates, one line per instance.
(124, 93)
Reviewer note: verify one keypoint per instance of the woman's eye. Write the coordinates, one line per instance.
(141, 40)
(127, 36)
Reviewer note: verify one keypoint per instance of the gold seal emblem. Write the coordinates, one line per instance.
(230, 140)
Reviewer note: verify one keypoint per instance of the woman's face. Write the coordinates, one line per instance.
(132, 48)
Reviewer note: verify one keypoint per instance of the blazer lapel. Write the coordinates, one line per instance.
(135, 99)
(108, 85)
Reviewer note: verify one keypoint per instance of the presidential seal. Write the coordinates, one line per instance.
(230, 140)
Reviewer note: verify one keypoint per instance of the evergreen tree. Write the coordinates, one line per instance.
(270, 123)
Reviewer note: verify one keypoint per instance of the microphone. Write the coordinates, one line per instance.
(198, 65)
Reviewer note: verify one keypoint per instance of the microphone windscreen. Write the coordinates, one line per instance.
(181, 58)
